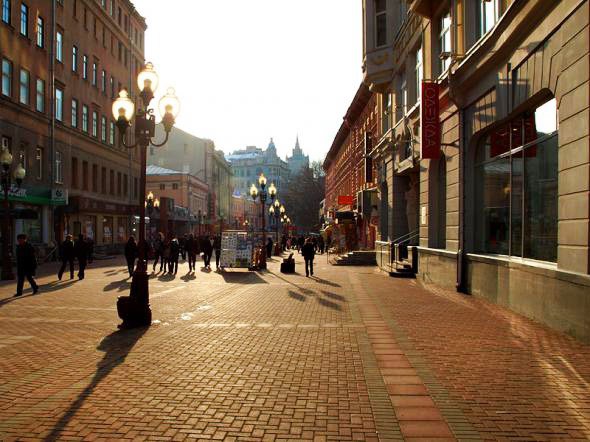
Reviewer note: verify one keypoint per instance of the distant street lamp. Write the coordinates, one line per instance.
(19, 176)
(150, 205)
(262, 194)
(135, 310)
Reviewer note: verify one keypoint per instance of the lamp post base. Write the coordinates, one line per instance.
(134, 309)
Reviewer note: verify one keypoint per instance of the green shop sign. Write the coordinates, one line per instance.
(38, 195)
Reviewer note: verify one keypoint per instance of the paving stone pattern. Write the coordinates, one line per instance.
(349, 355)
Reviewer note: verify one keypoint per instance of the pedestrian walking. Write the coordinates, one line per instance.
(269, 245)
(308, 252)
(131, 254)
(300, 243)
(166, 254)
(217, 249)
(207, 251)
(182, 242)
(81, 252)
(68, 256)
(191, 248)
(321, 244)
(173, 254)
(26, 265)
(159, 251)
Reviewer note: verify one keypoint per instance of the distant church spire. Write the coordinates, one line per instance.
(297, 148)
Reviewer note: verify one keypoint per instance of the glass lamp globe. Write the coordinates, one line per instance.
(277, 204)
(150, 196)
(6, 158)
(123, 106)
(157, 203)
(169, 103)
(20, 173)
(262, 180)
(272, 190)
(282, 209)
(148, 78)
(271, 210)
(253, 191)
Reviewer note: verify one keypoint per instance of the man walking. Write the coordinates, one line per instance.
(159, 251)
(217, 248)
(26, 265)
(81, 251)
(67, 257)
(191, 251)
(173, 256)
(207, 251)
(308, 252)
(131, 253)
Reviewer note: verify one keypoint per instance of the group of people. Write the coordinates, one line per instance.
(70, 251)
(297, 242)
(167, 251)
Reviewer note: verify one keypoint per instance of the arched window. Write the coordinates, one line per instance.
(516, 187)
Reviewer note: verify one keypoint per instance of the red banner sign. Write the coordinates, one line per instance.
(345, 200)
(430, 122)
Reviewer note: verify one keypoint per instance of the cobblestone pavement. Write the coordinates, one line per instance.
(348, 355)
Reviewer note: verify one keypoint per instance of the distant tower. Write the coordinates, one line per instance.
(298, 160)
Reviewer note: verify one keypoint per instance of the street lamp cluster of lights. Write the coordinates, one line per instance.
(6, 180)
(135, 310)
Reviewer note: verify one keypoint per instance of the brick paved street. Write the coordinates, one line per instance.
(349, 355)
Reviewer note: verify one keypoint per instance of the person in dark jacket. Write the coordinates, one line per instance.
(300, 244)
(191, 251)
(207, 251)
(131, 253)
(308, 252)
(269, 245)
(182, 242)
(173, 256)
(217, 248)
(26, 265)
(67, 255)
(159, 251)
(81, 252)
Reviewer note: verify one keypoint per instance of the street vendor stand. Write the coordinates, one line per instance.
(236, 250)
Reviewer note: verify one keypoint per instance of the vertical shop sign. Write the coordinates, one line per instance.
(430, 123)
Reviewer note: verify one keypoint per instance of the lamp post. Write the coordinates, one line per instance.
(134, 309)
(247, 225)
(262, 194)
(151, 203)
(19, 176)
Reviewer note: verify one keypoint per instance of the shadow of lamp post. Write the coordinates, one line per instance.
(134, 309)
(19, 176)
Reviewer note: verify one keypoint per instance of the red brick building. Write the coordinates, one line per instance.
(63, 63)
(350, 202)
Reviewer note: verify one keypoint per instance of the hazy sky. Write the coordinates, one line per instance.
(248, 70)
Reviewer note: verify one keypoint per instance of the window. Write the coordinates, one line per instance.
(94, 73)
(58, 167)
(419, 74)
(59, 46)
(162, 186)
(112, 182)
(103, 180)
(404, 93)
(24, 20)
(111, 133)
(6, 11)
(103, 81)
(380, 23)
(125, 185)
(112, 81)
(85, 67)
(174, 186)
(112, 8)
(444, 42)
(386, 106)
(516, 187)
(59, 104)
(94, 178)
(103, 129)
(119, 187)
(6, 77)
(135, 187)
(74, 112)
(487, 16)
(74, 172)
(24, 87)
(85, 118)
(94, 124)
(84, 175)
(40, 102)
(39, 162)
(40, 32)
(74, 59)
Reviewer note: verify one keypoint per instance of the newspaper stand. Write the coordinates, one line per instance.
(236, 250)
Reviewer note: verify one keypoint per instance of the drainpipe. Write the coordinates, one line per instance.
(461, 264)
(51, 167)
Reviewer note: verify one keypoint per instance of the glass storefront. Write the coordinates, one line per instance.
(516, 187)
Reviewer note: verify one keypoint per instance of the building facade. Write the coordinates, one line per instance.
(249, 163)
(298, 160)
(198, 157)
(63, 63)
(350, 175)
(494, 191)
(244, 209)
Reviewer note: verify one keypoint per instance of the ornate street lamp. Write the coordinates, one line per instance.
(262, 194)
(19, 176)
(274, 211)
(134, 309)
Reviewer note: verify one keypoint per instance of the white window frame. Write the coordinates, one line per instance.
(24, 88)
(40, 95)
(483, 26)
(444, 37)
(59, 40)
(39, 162)
(74, 119)
(59, 104)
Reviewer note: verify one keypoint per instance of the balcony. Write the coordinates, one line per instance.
(378, 68)
(422, 7)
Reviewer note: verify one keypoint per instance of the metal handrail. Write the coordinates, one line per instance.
(409, 236)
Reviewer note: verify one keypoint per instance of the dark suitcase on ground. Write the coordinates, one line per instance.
(288, 267)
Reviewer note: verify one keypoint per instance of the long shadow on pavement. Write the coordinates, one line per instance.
(242, 277)
(325, 282)
(116, 347)
(45, 288)
(302, 289)
(117, 285)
